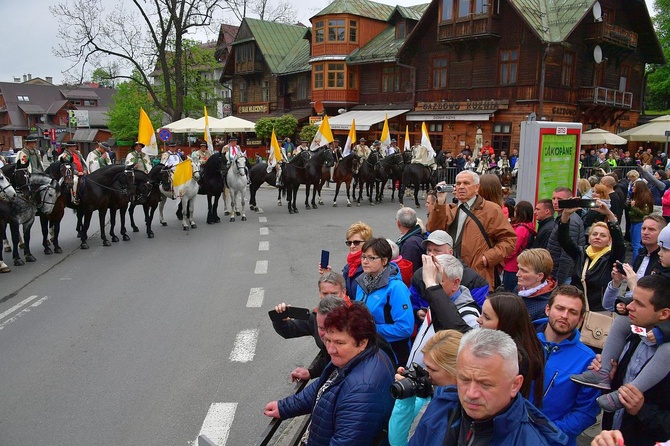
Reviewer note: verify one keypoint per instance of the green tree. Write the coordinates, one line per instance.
(308, 132)
(124, 114)
(658, 76)
(283, 126)
(264, 127)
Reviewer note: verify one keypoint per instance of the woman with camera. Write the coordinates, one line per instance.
(414, 388)
(593, 263)
(350, 402)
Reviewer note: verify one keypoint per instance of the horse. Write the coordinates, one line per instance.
(319, 159)
(295, 173)
(212, 184)
(258, 175)
(186, 198)
(506, 177)
(344, 173)
(7, 191)
(236, 183)
(7, 194)
(110, 188)
(393, 166)
(38, 195)
(416, 175)
(50, 224)
(148, 195)
(367, 175)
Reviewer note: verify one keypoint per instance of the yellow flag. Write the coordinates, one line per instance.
(146, 134)
(183, 172)
(425, 140)
(407, 145)
(274, 144)
(351, 139)
(208, 136)
(323, 136)
(386, 135)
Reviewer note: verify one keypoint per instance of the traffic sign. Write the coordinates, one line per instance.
(165, 134)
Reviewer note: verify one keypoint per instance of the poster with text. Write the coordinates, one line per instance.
(558, 160)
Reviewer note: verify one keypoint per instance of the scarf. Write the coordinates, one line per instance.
(370, 283)
(594, 256)
(530, 291)
(354, 261)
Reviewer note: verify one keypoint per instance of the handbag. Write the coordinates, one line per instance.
(596, 325)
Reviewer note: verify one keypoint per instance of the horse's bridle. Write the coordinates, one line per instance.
(3, 190)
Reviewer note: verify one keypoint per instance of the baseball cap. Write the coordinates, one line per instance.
(664, 238)
(441, 237)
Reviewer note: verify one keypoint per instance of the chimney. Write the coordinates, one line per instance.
(17, 79)
(50, 79)
(25, 78)
(30, 76)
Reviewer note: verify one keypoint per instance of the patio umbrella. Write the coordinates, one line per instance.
(654, 130)
(185, 125)
(233, 124)
(600, 136)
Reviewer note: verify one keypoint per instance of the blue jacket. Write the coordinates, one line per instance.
(411, 247)
(354, 409)
(352, 285)
(572, 407)
(522, 424)
(390, 289)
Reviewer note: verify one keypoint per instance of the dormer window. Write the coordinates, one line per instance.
(22, 98)
(401, 29)
(336, 28)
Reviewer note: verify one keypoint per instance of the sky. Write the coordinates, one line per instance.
(31, 32)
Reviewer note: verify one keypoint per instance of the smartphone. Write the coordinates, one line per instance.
(292, 312)
(577, 203)
(325, 258)
(619, 267)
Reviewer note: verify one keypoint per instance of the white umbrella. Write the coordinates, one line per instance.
(182, 126)
(600, 136)
(234, 124)
(654, 130)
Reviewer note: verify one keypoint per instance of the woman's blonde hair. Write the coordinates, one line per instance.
(600, 224)
(583, 186)
(443, 349)
(537, 259)
(360, 228)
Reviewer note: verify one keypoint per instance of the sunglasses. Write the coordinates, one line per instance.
(354, 242)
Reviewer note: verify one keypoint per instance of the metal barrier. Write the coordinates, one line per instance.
(588, 171)
(447, 174)
(275, 423)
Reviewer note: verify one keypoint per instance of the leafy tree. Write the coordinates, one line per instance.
(658, 76)
(149, 39)
(308, 132)
(283, 126)
(124, 114)
(105, 76)
(264, 127)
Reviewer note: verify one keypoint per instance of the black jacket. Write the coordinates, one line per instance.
(600, 274)
(544, 229)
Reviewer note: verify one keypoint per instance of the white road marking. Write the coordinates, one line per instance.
(256, 296)
(245, 346)
(17, 306)
(65, 278)
(261, 267)
(22, 312)
(262, 219)
(217, 423)
(264, 231)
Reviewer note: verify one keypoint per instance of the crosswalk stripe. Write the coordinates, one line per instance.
(256, 296)
(261, 267)
(218, 422)
(263, 245)
(244, 349)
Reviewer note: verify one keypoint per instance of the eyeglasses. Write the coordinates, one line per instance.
(353, 242)
(370, 258)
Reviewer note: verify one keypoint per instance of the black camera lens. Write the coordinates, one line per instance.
(403, 389)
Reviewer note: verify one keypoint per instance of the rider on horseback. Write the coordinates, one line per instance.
(73, 157)
(98, 158)
(202, 154)
(138, 159)
(170, 159)
(30, 157)
(277, 164)
(362, 151)
(421, 155)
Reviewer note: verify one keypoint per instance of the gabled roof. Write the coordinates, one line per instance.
(411, 12)
(362, 8)
(297, 60)
(275, 40)
(80, 93)
(552, 21)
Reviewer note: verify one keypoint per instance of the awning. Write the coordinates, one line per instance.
(456, 115)
(84, 135)
(364, 118)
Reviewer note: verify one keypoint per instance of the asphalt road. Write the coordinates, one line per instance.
(153, 341)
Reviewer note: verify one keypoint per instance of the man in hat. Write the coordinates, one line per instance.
(377, 147)
(602, 167)
(201, 155)
(301, 148)
(72, 156)
(170, 157)
(138, 159)
(30, 157)
(274, 163)
(393, 148)
(232, 149)
(362, 151)
(98, 158)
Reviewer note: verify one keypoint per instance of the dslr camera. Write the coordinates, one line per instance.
(416, 383)
(444, 188)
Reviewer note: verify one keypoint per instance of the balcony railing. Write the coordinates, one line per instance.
(606, 96)
(606, 33)
(472, 27)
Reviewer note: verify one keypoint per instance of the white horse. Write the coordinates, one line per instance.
(187, 199)
(7, 192)
(236, 182)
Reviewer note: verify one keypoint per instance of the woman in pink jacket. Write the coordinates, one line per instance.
(522, 223)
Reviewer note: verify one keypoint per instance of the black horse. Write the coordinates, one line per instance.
(367, 176)
(259, 175)
(416, 175)
(394, 166)
(212, 183)
(107, 188)
(147, 194)
(297, 172)
(64, 174)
